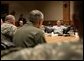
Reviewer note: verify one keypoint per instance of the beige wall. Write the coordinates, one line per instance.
(53, 10)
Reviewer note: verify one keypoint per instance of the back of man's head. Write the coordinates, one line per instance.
(35, 15)
(10, 19)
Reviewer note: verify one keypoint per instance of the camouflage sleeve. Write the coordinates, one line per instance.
(72, 51)
(12, 30)
(8, 29)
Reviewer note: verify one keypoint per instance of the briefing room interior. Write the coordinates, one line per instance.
(41, 30)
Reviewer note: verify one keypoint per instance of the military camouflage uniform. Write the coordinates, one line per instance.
(7, 31)
(64, 51)
(28, 36)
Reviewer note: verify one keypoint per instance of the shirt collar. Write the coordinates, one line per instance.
(29, 23)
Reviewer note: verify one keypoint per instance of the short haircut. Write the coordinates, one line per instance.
(9, 17)
(35, 15)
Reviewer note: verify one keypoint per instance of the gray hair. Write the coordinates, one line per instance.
(35, 15)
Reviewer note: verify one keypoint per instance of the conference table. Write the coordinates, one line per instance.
(56, 39)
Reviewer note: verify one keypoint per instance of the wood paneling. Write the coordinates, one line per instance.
(66, 12)
(49, 22)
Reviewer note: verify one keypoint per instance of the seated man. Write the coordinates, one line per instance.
(20, 24)
(21, 18)
(8, 28)
(59, 28)
(30, 34)
(48, 29)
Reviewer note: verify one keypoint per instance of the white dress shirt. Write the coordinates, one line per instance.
(59, 29)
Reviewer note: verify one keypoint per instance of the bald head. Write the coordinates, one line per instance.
(10, 19)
